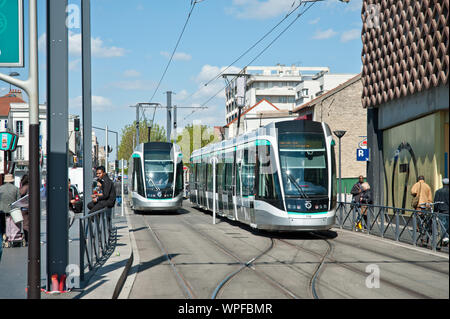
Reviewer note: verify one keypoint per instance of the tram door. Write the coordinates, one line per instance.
(247, 185)
(228, 187)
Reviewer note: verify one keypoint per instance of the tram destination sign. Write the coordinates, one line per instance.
(11, 33)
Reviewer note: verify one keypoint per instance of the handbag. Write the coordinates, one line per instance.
(415, 200)
(16, 215)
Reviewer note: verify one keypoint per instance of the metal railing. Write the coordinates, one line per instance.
(97, 237)
(415, 227)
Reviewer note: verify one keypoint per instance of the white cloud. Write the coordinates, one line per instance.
(133, 85)
(73, 65)
(255, 9)
(99, 103)
(98, 48)
(315, 21)
(207, 73)
(131, 73)
(321, 35)
(178, 56)
(351, 35)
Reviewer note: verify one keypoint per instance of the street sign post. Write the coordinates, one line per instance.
(11, 33)
(362, 155)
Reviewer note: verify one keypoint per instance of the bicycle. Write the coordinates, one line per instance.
(425, 223)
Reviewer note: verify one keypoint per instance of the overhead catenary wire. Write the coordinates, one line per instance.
(257, 56)
(249, 49)
(193, 3)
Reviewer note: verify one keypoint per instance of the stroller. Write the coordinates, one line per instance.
(14, 236)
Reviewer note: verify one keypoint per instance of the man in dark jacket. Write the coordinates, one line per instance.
(357, 190)
(441, 197)
(108, 197)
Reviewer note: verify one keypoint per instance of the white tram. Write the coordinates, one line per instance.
(278, 177)
(156, 177)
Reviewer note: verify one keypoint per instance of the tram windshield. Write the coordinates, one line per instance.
(303, 164)
(158, 170)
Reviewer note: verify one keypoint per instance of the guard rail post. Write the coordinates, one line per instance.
(414, 219)
(434, 231)
(382, 213)
(397, 224)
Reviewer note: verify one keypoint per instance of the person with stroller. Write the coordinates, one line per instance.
(9, 194)
(23, 190)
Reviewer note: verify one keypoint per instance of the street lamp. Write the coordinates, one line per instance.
(339, 135)
(12, 74)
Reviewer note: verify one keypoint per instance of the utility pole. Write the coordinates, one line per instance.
(106, 150)
(169, 115)
(87, 105)
(57, 127)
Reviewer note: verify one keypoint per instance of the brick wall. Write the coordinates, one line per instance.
(343, 111)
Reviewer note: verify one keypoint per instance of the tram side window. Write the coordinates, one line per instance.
(248, 172)
(179, 179)
(269, 186)
(210, 177)
(139, 182)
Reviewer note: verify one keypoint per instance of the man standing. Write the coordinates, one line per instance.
(423, 191)
(8, 195)
(441, 197)
(357, 190)
(108, 197)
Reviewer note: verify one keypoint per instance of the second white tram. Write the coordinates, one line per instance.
(278, 177)
(156, 177)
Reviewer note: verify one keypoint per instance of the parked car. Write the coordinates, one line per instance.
(78, 206)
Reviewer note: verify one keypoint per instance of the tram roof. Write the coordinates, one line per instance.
(267, 130)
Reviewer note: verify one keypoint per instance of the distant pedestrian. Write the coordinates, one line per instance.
(441, 197)
(357, 190)
(118, 189)
(8, 195)
(23, 190)
(366, 198)
(421, 192)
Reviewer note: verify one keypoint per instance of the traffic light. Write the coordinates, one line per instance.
(76, 124)
(116, 162)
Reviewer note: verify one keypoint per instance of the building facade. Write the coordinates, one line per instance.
(341, 109)
(405, 91)
(275, 84)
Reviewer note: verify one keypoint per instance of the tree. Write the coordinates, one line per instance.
(158, 134)
(193, 138)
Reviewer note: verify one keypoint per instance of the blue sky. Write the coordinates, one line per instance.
(132, 41)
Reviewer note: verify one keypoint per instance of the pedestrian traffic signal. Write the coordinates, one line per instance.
(76, 123)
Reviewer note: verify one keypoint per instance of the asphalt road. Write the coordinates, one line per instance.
(183, 255)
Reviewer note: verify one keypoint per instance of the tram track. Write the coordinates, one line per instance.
(183, 283)
(327, 260)
(244, 265)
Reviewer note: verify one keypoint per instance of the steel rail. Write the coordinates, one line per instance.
(244, 265)
(356, 270)
(180, 279)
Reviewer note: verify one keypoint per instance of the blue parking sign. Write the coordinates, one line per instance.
(362, 154)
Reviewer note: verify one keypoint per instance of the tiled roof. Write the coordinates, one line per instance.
(249, 109)
(5, 102)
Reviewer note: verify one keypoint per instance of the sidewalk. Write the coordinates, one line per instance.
(106, 283)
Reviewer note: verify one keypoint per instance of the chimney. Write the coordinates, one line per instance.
(16, 93)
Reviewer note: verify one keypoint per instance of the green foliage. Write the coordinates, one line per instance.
(195, 137)
(158, 134)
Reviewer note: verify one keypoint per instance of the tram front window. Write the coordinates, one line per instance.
(158, 174)
(303, 164)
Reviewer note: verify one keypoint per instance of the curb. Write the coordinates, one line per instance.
(133, 263)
